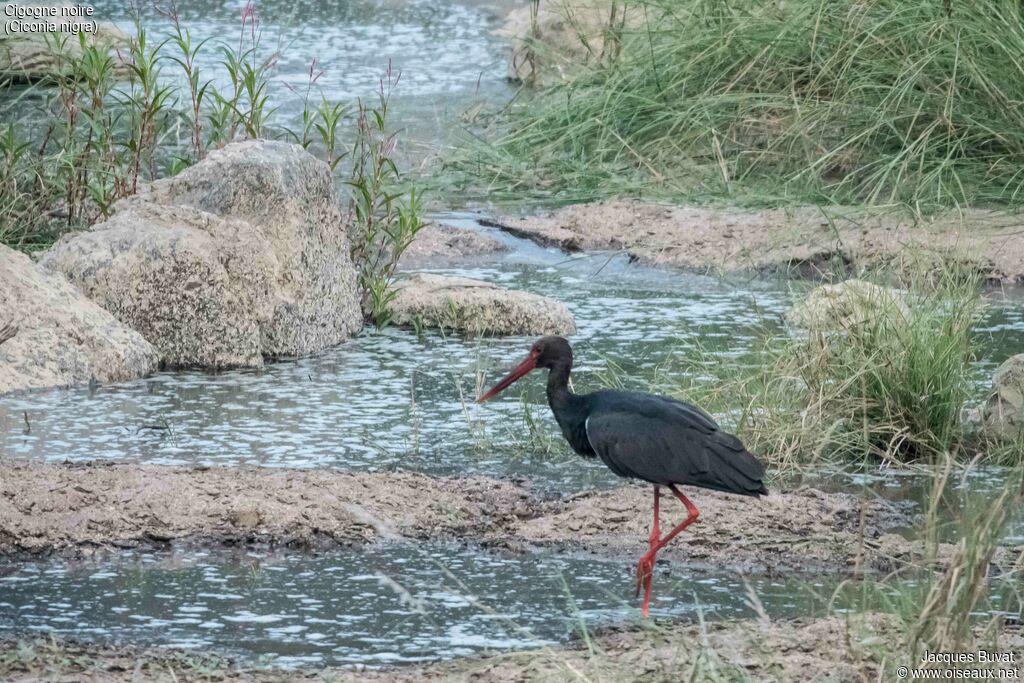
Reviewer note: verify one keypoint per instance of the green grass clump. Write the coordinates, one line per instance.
(768, 102)
(896, 380)
(957, 590)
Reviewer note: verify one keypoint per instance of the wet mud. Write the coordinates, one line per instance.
(445, 243)
(70, 507)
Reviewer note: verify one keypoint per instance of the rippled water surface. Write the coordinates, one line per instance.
(388, 604)
(390, 399)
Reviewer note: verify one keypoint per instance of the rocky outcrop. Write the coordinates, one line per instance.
(547, 47)
(1003, 413)
(240, 257)
(477, 308)
(445, 242)
(847, 306)
(52, 335)
(30, 56)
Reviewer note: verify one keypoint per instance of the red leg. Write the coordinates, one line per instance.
(646, 566)
(691, 510)
(647, 561)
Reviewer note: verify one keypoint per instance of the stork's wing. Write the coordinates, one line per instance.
(673, 443)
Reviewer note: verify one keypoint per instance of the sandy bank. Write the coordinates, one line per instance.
(47, 507)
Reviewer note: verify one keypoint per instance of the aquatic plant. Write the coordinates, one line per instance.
(894, 385)
(953, 595)
(808, 100)
(948, 598)
(384, 217)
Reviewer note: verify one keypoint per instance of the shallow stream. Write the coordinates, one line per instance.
(388, 400)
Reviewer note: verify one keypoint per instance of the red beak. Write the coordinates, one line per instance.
(517, 372)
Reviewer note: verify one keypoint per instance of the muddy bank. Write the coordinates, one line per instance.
(800, 650)
(808, 241)
(77, 508)
(47, 508)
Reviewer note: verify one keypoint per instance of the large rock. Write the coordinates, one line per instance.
(475, 307)
(240, 257)
(847, 306)
(35, 56)
(52, 335)
(564, 35)
(1003, 413)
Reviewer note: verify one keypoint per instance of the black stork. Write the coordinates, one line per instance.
(643, 436)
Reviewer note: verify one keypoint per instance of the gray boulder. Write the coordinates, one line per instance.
(477, 308)
(1003, 412)
(564, 35)
(240, 257)
(52, 335)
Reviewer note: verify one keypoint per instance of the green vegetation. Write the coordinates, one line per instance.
(893, 383)
(780, 102)
(110, 124)
(942, 616)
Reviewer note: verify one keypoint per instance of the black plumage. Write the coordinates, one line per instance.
(657, 439)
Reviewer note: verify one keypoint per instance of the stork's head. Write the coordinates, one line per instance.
(546, 352)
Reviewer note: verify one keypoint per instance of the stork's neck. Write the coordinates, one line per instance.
(559, 395)
(570, 409)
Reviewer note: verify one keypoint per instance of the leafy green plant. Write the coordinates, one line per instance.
(245, 107)
(186, 59)
(385, 217)
(147, 105)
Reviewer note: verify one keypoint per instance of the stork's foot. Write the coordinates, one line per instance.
(644, 572)
(644, 578)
